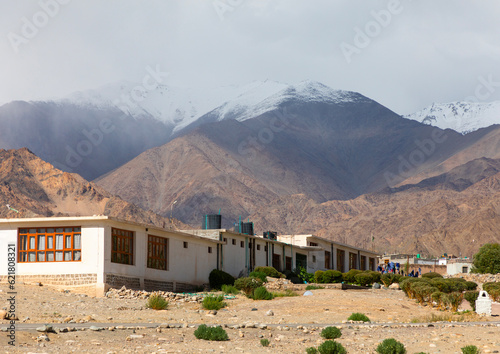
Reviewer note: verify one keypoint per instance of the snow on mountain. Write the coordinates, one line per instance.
(463, 117)
(256, 102)
(179, 106)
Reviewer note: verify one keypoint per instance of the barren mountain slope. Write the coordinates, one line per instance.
(430, 218)
(34, 187)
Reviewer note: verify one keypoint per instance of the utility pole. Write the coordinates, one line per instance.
(171, 210)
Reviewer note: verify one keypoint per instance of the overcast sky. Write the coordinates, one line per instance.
(404, 54)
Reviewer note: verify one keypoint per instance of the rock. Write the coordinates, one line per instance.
(376, 286)
(241, 334)
(42, 338)
(67, 319)
(95, 328)
(254, 309)
(212, 312)
(270, 313)
(3, 314)
(307, 293)
(46, 329)
(394, 286)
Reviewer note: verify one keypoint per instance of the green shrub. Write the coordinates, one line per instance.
(363, 279)
(437, 297)
(470, 349)
(304, 275)
(487, 259)
(293, 277)
(311, 350)
(213, 302)
(389, 279)
(453, 300)
(331, 347)
(157, 302)
(356, 316)
(314, 287)
(349, 277)
(211, 333)
(286, 293)
(333, 276)
(260, 275)
(471, 297)
(264, 342)
(230, 289)
(431, 275)
(261, 293)
(270, 272)
(247, 284)
(318, 277)
(491, 286)
(471, 286)
(217, 278)
(391, 346)
(376, 276)
(331, 333)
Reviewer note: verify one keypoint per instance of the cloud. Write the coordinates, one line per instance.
(428, 52)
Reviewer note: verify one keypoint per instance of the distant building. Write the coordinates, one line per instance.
(459, 265)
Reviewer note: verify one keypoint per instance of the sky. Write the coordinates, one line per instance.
(404, 54)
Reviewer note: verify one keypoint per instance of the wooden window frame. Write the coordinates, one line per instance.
(120, 239)
(25, 234)
(156, 246)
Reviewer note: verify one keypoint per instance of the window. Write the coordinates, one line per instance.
(314, 259)
(242, 244)
(157, 252)
(327, 260)
(465, 269)
(185, 244)
(50, 244)
(265, 248)
(122, 246)
(258, 247)
(234, 241)
(313, 244)
(225, 240)
(209, 249)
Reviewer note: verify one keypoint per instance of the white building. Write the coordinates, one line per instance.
(99, 252)
(459, 265)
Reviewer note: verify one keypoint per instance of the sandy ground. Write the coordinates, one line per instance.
(295, 325)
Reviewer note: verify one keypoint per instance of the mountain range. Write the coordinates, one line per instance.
(300, 158)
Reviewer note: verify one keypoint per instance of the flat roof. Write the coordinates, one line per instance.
(334, 242)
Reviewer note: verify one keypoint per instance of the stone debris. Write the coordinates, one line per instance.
(124, 293)
(270, 313)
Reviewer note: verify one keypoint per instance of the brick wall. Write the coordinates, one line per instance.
(55, 279)
(153, 285)
(117, 281)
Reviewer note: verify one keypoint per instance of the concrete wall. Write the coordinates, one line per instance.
(458, 267)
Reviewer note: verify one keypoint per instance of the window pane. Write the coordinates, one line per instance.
(32, 243)
(50, 256)
(23, 231)
(31, 257)
(77, 241)
(41, 231)
(41, 242)
(78, 229)
(68, 229)
(59, 242)
(22, 242)
(41, 257)
(50, 242)
(32, 231)
(59, 256)
(68, 241)
(22, 257)
(67, 255)
(77, 255)
(59, 229)
(50, 231)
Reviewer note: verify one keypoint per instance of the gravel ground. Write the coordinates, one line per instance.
(296, 324)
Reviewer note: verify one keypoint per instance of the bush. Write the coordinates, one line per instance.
(363, 279)
(311, 350)
(286, 293)
(331, 333)
(470, 349)
(389, 279)
(211, 333)
(318, 277)
(157, 302)
(217, 278)
(264, 342)
(269, 271)
(453, 300)
(304, 275)
(230, 289)
(293, 277)
(431, 275)
(349, 277)
(471, 285)
(356, 316)
(260, 275)
(261, 293)
(487, 260)
(391, 346)
(331, 347)
(332, 276)
(314, 287)
(213, 302)
(247, 284)
(471, 297)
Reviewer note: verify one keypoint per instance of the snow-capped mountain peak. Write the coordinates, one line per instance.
(463, 117)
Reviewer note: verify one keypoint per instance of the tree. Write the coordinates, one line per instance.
(487, 260)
